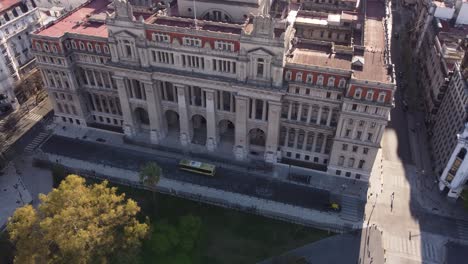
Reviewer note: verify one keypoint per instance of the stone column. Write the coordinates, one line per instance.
(185, 128)
(128, 122)
(157, 125)
(240, 149)
(274, 115)
(299, 112)
(319, 116)
(211, 127)
(290, 106)
(329, 117)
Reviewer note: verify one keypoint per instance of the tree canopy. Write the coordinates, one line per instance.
(77, 223)
(150, 174)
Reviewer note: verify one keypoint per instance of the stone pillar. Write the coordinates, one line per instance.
(185, 128)
(240, 149)
(157, 125)
(319, 116)
(299, 112)
(329, 117)
(128, 122)
(211, 127)
(274, 115)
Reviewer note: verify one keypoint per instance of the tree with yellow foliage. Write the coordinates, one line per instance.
(77, 223)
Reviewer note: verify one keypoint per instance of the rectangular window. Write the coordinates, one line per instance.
(159, 37)
(345, 147)
(194, 42)
(223, 45)
(224, 66)
(193, 62)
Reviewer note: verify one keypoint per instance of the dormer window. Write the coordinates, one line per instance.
(299, 77)
(309, 78)
(331, 82)
(98, 48)
(82, 46)
(67, 44)
(342, 83)
(159, 37)
(358, 93)
(90, 47)
(54, 49)
(320, 80)
(106, 49)
(46, 47)
(288, 76)
(193, 42)
(260, 67)
(369, 95)
(223, 45)
(382, 97)
(73, 44)
(38, 46)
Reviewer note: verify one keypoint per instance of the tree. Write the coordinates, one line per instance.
(174, 244)
(150, 175)
(76, 223)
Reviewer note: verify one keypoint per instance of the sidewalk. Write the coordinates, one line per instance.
(13, 193)
(26, 117)
(277, 210)
(320, 180)
(428, 194)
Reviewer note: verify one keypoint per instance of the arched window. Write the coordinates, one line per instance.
(342, 83)
(38, 46)
(90, 47)
(309, 78)
(260, 67)
(288, 76)
(341, 161)
(73, 44)
(369, 95)
(82, 46)
(351, 162)
(46, 47)
(358, 93)
(54, 49)
(299, 77)
(361, 164)
(382, 96)
(320, 80)
(127, 49)
(98, 48)
(331, 82)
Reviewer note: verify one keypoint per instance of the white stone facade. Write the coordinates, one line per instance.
(215, 84)
(455, 175)
(17, 21)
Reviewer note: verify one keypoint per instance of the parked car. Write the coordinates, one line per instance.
(333, 206)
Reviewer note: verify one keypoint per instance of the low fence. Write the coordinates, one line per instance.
(331, 227)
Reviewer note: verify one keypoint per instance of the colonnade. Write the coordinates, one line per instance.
(158, 125)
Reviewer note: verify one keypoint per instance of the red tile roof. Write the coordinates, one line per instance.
(8, 4)
(75, 22)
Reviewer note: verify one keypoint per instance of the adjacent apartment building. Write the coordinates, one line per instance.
(452, 140)
(279, 81)
(18, 18)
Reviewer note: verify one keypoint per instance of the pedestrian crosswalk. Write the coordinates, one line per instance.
(414, 248)
(394, 175)
(34, 117)
(462, 229)
(36, 142)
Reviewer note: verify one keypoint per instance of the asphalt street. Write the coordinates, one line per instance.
(225, 179)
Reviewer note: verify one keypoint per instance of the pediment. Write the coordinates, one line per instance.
(124, 34)
(260, 51)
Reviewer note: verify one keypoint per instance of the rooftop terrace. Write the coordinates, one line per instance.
(374, 68)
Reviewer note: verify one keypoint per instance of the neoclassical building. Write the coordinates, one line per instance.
(18, 18)
(250, 79)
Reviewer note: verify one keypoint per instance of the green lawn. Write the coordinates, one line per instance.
(226, 236)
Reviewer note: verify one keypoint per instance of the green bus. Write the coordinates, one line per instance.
(197, 167)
